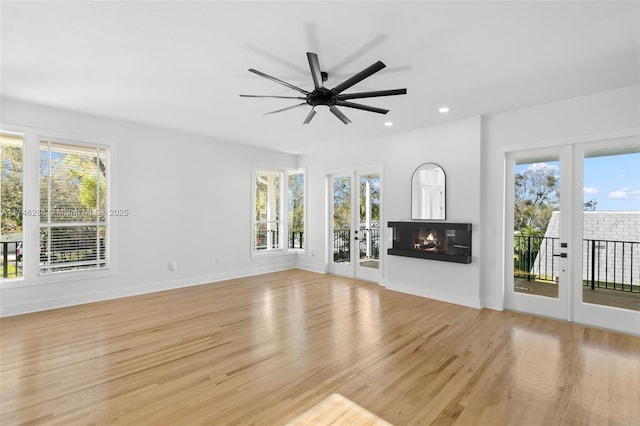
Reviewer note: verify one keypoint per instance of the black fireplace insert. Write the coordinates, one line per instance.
(448, 242)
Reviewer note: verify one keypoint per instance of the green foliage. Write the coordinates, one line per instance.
(72, 180)
(536, 197)
(528, 238)
(341, 203)
(526, 245)
(590, 206)
(11, 189)
(296, 202)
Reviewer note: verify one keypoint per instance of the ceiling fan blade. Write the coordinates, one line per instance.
(309, 116)
(284, 83)
(339, 114)
(269, 96)
(285, 109)
(372, 94)
(315, 69)
(358, 77)
(363, 107)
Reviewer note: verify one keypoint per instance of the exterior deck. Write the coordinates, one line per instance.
(598, 296)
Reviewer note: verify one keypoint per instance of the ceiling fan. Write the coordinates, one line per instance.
(333, 98)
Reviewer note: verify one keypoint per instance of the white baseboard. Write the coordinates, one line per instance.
(431, 294)
(492, 303)
(311, 268)
(108, 294)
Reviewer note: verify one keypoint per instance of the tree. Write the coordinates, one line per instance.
(296, 202)
(11, 188)
(341, 203)
(590, 206)
(526, 245)
(77, 186)
(536, 196)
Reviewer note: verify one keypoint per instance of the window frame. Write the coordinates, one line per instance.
(49, 224)
(31, 201)
(283, 242)
(254, 237)
(11, 132)
(302, 171)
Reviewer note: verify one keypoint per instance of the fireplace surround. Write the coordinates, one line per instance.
(447, 242)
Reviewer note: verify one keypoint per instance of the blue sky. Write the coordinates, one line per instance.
(612, 181)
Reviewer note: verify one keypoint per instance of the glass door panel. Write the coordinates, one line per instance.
(536, 220)
(610, 272)
(368, 226)
(369, 221)
(607, 210)
(537, 233)
(340, 232)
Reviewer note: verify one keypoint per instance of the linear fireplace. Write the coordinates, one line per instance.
(448, 242)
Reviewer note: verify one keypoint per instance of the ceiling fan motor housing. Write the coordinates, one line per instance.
(321, 96)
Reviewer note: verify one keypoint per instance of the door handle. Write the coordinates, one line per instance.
(560, 255)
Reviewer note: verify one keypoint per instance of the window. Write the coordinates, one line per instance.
(278, 210)
(74, 224)
(296, 210)
(11, 205)
(267, 219)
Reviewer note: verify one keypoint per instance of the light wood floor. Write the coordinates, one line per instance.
(262, 350)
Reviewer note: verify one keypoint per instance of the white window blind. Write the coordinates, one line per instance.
(74, 221)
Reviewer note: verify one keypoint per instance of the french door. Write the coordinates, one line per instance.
(572, 240)
(537, 232)
(354, 224)
(607, 230)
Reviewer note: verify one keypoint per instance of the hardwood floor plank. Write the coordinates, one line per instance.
(265, 349)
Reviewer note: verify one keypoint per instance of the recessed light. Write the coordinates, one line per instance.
(444, 110)
(388, 123)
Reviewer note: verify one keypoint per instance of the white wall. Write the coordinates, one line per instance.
(189, 199)
(472, 154)
(454, 146)
(575, 120)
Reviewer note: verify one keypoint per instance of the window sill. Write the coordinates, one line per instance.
(257, 254)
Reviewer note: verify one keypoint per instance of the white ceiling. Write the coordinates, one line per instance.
(182, 65)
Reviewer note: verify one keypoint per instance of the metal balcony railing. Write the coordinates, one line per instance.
(368, 244)
(268, 239)
(605, 263)
(11, 258)
(296, 239)
(611, 264)
(341, 245)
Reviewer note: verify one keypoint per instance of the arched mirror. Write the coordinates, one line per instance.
(428, 192)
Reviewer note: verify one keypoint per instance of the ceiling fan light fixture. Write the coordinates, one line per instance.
(331, 98)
